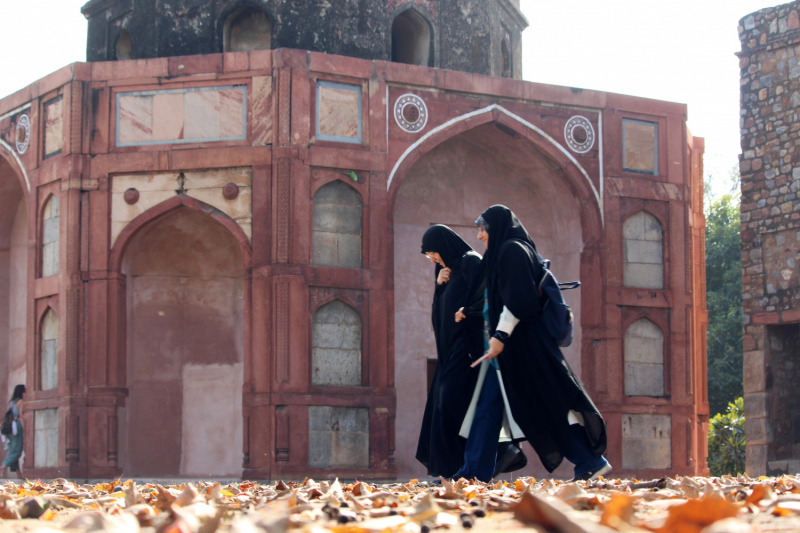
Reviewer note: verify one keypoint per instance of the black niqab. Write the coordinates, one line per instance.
(540, 385)
(440, 447)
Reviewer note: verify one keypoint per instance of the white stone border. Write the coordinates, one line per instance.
(519, 119)
(19, 163)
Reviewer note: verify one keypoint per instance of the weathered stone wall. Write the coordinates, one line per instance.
(770, 211)
(466, 35)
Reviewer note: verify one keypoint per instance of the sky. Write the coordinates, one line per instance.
(681, 51)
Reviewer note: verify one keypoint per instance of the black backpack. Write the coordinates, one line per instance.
(8, 419)
(556, 314)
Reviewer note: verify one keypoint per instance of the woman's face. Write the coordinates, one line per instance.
(435, 258)
(483, 236)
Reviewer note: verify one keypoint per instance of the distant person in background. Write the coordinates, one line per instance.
(440, 447)
(14, 439)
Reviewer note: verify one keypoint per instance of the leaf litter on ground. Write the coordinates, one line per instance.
(732, 504)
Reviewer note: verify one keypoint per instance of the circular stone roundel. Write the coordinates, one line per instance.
(411, 113)
(23, 134)
(579, 134)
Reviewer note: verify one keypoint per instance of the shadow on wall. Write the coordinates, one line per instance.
(184, 281)
(453, 184)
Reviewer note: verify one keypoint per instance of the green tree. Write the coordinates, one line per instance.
(724, 302)
(726, 442)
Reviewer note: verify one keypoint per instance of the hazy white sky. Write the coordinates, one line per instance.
(680, 51)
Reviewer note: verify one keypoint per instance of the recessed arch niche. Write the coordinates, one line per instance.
(411, 39)
(452, 184)
(247, 29)
(13, 280)
(184, 279)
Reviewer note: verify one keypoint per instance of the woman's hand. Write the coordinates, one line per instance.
(444, 276)
(495, 348)
(460, 315)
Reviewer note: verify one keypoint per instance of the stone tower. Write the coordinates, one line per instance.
(477, 36)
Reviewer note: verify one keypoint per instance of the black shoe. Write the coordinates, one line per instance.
(606, 468)
(510, 460)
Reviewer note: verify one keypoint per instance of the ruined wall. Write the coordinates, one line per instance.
(770, 211)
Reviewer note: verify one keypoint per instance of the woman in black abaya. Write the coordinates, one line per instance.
(547, 399)
(440, 448)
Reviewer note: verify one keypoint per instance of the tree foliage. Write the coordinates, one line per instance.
(724, 302)
(726, 442)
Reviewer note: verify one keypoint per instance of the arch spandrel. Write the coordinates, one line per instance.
(575, 175)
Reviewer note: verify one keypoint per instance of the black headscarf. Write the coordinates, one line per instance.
(502, 225)
(445, 242)
(19, 390)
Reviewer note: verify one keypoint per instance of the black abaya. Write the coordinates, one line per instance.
(440, 447)
(540, 384)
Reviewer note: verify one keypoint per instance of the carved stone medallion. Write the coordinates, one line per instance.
(579, 134)
(23, 134)
(411, 113)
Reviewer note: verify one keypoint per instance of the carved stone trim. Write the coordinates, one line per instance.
(283, 211)
(282, 363)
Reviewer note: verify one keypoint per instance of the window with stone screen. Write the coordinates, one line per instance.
(643, 250)
(336, 346)
(51, 221)
(49, 351)
(45, 438)
(644, 359)
(640, 146)
(337, 225)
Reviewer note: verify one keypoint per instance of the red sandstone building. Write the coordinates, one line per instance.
(209, 264)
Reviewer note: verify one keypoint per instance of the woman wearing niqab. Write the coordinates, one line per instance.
(440, 447)
(546, 397)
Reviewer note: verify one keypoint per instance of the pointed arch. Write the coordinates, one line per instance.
(48, 350)
(246, 27)
(123, 48)
(643, 251)
(50, 235)
(412, 38)
(577, 177)
(644, 359)
(337, 227)
(135, 225)
(10, 156)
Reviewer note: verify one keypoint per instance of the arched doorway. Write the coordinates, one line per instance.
(452, 184)
(13, 280)
(184, 277)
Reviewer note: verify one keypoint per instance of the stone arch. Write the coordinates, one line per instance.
(336, 345)
(592, 218)
(123, 48)
(50, 236)
(643, 251)
(644, 359)
(412, 39)
(246, 28)
(186, 286)
(450, 176)
(135, 225)
(47, 377)
(337, 227)
(15, 222)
